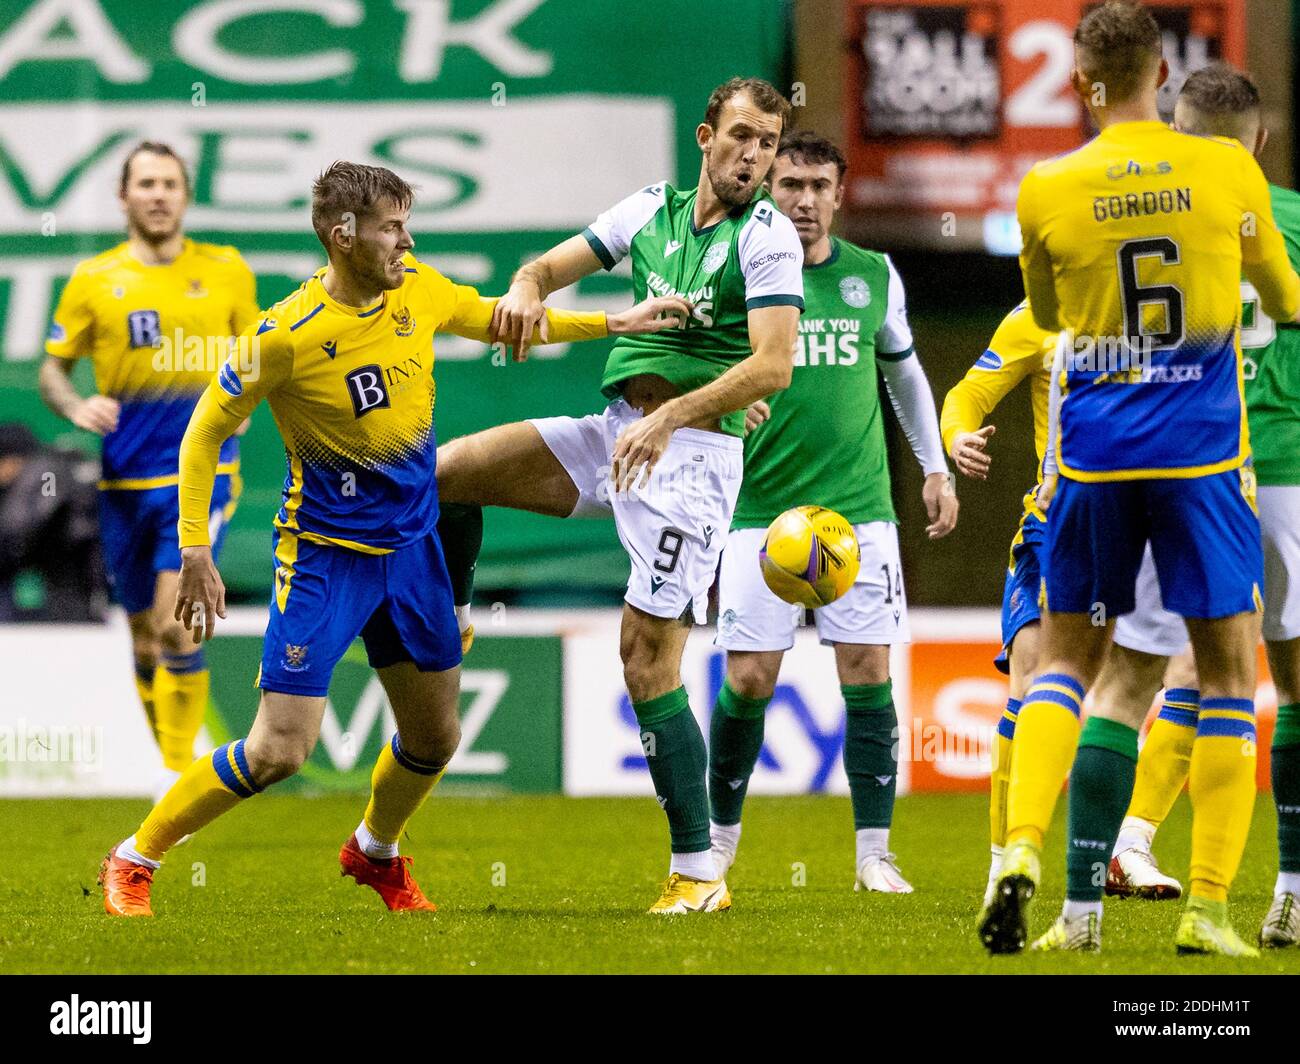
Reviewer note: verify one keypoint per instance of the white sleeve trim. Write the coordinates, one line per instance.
(610, 235)
(771, 259)
(913, 401)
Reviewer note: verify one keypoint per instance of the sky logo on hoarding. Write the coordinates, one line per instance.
(826, 744)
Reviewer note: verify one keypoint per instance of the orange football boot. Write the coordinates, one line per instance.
(391, 878)
(126, 886)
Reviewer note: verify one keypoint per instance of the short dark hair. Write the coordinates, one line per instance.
(1119, 43)
(1220, 90)
(808, 148)
(353, 187)
(153, 147)
(766, 97)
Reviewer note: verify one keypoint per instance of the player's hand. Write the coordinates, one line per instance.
(515, 316)
(940, 495)
(970, 452)
(638, 449)
(243, 426)
(650, 316)
(755, 414)
(1046, 492)
(200, 594)
(98, 414)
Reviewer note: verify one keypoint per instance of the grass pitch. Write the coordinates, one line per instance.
(560, 885)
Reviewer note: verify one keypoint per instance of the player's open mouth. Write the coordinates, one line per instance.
(744, 177)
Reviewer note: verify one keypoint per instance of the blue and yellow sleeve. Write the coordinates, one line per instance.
(73, 328)
(259, 365)
(1012, 355)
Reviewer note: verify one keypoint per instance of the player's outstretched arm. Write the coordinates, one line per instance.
(473, 316)
(517, 314)
(772, 332)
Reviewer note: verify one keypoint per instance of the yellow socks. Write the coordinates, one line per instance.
(1222, 784)
(210, 786)
(1000, 777)
(1047, 732)
(1166, 756)
(144, 676)
(398, 787)
(180, 694)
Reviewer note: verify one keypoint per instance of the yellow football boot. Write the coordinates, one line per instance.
(682, 894)
(1204, 928)
(1004, 922)
(1076, 933)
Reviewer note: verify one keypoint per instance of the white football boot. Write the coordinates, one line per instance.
(879, 874)
(1133, 873)
(1282, 924)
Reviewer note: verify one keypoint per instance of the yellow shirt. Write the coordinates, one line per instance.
(352, 393)
(156, 336)
(1136, 243)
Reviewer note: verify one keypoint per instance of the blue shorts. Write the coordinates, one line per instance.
(137, 530)
(325, 596)
(1204, 535)
(1020, 591)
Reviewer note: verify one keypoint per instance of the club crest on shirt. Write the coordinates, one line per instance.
(403, 322)
(196, 289)
(854, 292)
(715, 257)
(295, 657)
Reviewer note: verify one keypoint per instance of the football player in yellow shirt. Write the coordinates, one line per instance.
(1136, 243)
(155, 314)
(346, 364)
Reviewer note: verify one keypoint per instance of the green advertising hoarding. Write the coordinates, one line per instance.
(511, 715)
(517, 120)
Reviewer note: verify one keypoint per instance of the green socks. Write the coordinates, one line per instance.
(735, 738)
(1101, 785)
(674, 750)
(871, 752)
(460, 528)
(1286, 786)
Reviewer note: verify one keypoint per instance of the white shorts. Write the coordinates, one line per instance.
(1279, 524)
(873, 610)
(675, 527)
(1150, 628)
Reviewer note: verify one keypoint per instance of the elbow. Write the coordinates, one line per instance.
(778, 375)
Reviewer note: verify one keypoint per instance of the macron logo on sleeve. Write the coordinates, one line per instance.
(229, 381)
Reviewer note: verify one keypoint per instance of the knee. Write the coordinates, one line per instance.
(276, 758)
(176, 641)
(437, 747)
(750, 678)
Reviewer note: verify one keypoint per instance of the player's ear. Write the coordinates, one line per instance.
(1163, 74)
(1261, 138)
(839, 192)
(704, 136)
(1080, 83)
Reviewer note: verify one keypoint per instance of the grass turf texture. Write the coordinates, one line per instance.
(578, 874)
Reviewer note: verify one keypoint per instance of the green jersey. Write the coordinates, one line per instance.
(750, 259)
(1271, 365)
(824, 444)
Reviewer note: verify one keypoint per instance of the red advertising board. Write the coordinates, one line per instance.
(957, 698)
(949, 102)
